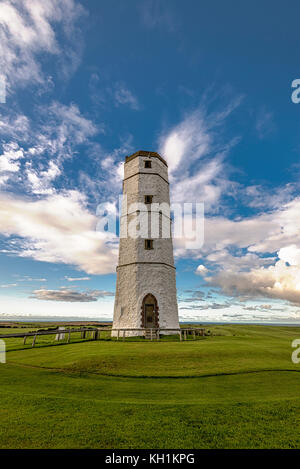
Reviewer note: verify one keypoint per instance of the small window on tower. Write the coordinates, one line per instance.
(148, 244)
(147, 164)
(148, 199)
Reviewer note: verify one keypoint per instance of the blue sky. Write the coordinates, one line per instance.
(208, 85)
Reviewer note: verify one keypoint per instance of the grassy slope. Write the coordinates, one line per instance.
(155, 395)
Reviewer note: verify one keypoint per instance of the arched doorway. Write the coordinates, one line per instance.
(149, 311)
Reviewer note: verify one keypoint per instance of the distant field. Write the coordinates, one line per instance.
(236, 388)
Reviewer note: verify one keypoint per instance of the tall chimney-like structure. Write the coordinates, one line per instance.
(146, 276)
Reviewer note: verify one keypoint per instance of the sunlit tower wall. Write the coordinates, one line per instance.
(146, 277)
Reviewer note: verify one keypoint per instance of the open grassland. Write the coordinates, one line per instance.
(236, 388)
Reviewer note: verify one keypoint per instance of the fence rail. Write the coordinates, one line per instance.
(154, 333)
(95, 333)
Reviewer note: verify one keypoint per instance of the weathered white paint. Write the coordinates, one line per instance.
(142, 271)
(60, 336)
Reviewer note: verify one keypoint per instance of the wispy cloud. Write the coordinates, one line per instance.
(196, 152)
(48, 141)
(64, 127)
(105, 94)
(30, 28)
(15, 126)
(158, 14)
(264, 124)
(123, 96)
(31, 279)
(77, 279)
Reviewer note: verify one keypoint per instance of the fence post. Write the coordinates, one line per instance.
(69, 336)
(24, 342)
(33, 342)
(123, 334)
(151, 334)
(194, 334)
(118, 334)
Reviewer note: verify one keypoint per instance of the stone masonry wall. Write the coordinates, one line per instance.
(142, 271)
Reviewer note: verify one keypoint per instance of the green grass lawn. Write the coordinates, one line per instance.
(237, 388)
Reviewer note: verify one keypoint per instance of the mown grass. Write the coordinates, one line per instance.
(235, 389)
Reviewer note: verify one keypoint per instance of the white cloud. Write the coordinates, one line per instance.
(241, 254)
(263, 233)
(278, 281)
(9, 159)
(58, 229)
(28, 29)
(205, 186)
(40, 182)
(257, 242)
(186, 142)
(290, 254)
(201, 270)
(50, 140)
(196, 137)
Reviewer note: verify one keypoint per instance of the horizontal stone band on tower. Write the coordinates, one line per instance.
(133, 263)
(151, 174)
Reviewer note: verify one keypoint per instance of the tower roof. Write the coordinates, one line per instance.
(150, 154)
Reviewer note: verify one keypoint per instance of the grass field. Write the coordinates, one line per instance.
(237, 388)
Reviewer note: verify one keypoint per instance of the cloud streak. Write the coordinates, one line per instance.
(69, 295)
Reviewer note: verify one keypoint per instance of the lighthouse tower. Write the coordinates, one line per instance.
(146, 276)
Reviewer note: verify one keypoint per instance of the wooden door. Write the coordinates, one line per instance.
(149, 316)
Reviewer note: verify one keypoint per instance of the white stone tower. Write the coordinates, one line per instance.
(146, 276)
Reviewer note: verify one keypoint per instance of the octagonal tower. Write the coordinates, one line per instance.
(146, 276)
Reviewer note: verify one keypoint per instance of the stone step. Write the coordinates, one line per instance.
(148, 334)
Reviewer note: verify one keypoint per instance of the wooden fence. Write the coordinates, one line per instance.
(154, 333)
(95, 333)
